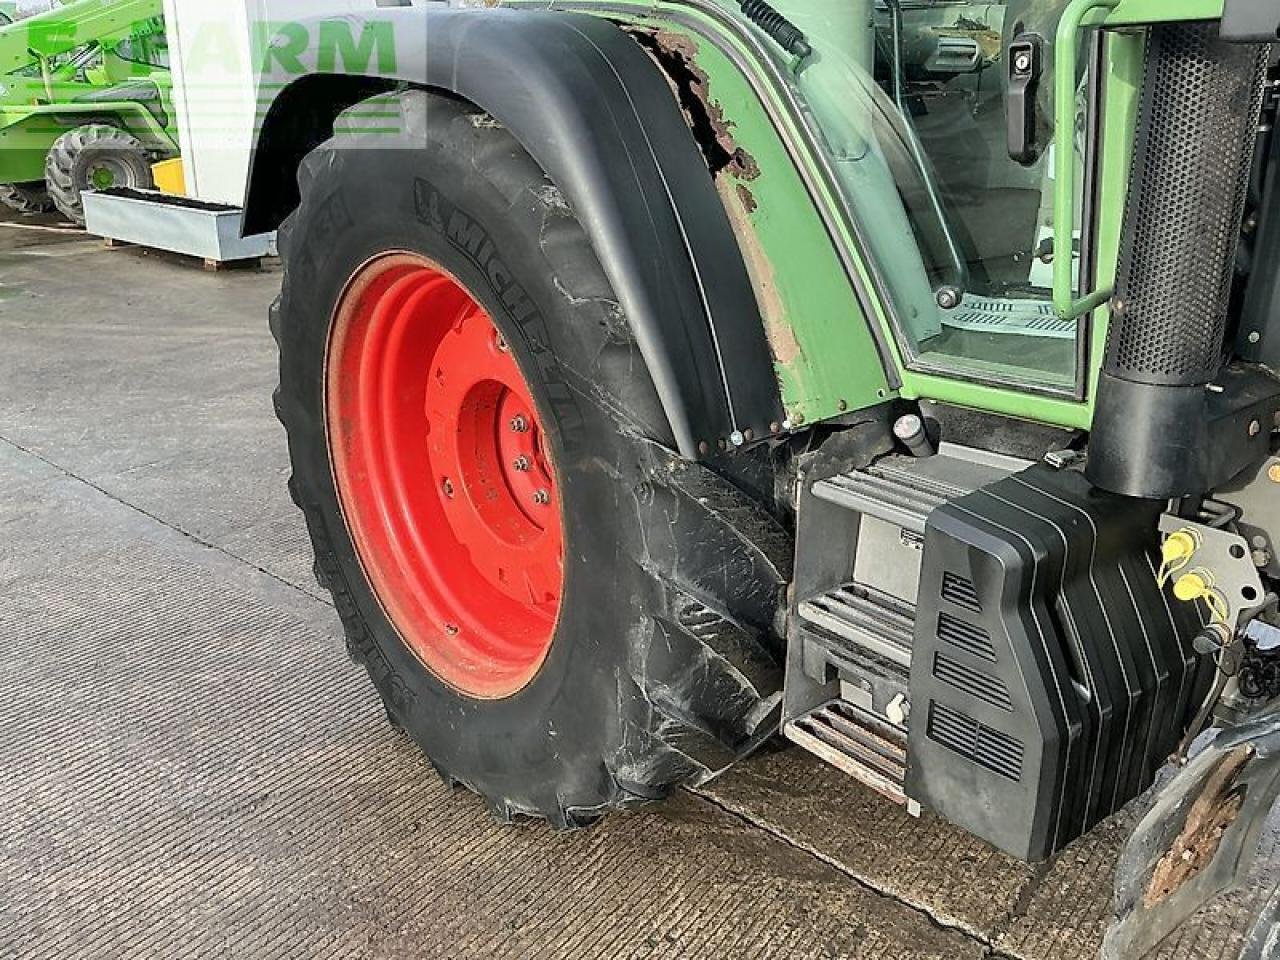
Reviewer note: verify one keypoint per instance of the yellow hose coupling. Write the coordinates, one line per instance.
(1193, 586)
(1199, 585)
(1180, 546)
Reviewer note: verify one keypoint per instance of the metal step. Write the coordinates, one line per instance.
(859, 561)
(866, 618)
(905, 490)
(862, 745)
(878, 493)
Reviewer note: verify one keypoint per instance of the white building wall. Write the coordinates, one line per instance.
(215, 85)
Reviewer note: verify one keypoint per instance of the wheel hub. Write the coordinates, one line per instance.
(105, 174)
(444, 475)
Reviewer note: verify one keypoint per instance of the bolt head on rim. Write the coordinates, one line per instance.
(443, 471)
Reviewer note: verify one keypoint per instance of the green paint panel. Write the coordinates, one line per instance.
(24, 143)
(825, 356)
(826, 359)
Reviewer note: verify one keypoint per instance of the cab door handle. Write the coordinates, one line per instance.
(1025, 68)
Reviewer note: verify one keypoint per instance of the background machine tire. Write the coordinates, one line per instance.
(96, 156)
(660, 666)
(26, 197)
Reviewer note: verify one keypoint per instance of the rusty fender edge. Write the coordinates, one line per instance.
(598, 115)
(1199, 840)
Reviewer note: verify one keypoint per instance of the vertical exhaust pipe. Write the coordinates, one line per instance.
(1198, 122)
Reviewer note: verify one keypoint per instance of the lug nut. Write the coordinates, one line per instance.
(519, 424)
(522, 464)
(542, 498)
(447, 487)
(451, 629)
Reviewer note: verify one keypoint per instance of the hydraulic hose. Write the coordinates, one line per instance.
(781, 30)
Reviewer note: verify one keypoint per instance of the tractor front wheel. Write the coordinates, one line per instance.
(94, 157)
(564, 615)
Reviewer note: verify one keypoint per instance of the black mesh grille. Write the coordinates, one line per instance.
(1196, 132)
(966, 636)
(998, 752)
(959, 590)
(976, 683)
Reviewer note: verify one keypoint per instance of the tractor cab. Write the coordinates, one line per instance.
(942, 140)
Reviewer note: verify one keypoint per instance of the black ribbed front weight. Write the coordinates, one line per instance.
(1197, 126)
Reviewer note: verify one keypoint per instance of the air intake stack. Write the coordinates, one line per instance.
(1173, 418)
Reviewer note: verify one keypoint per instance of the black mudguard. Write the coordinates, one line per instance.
(1199, 841)
(599, 117)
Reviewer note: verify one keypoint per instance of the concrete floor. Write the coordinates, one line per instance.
(189, 766)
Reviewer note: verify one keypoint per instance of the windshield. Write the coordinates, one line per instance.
(909, 101)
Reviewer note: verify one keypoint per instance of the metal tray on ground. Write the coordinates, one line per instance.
(209, 231)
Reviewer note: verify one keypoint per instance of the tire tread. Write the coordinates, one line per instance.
(687, 718)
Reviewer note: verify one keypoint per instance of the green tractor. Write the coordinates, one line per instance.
(84, 103)
(898, 377)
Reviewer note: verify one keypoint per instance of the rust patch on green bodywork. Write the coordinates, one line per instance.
(733, 169)
(825, 356)
(740, 204)
(677, 55)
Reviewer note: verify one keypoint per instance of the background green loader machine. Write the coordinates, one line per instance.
(84, 103)
(897, 376)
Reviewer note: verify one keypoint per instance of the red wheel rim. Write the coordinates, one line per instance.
(444, 475)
